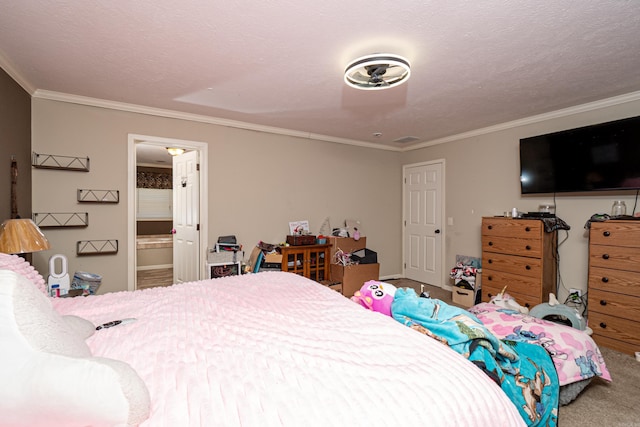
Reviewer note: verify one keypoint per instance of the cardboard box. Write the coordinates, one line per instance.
(273, 258)
(336, 286)
(463, 297)
(353, 277)
(347, 244)
(467, 297)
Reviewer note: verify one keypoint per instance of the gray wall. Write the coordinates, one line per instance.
(258, 182)
(483, 179)
(15, 139)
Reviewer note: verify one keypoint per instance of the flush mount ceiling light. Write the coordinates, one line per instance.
(377, 71)
(175, 151)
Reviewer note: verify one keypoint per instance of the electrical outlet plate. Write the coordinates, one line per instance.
(576, 292)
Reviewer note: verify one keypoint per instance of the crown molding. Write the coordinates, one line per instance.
(8, 67)
(133, 108)
(583, 108)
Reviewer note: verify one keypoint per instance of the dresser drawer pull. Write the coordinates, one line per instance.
(527, 229)
(605, 256)
(489, 278)
(605, 280)
(603, 302)
(527, 267)
(490, 243)
(490, 261)
(606, 234)
(490, 227)
(603, 325)
(528, 247)
(526, 304)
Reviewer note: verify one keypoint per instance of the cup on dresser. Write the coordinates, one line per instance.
(619, 208)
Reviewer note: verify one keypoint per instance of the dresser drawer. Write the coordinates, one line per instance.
(506, 227)
(528, 301)
(616, 257)
(619, 233)
(515, 283)
(619, 281)
(615, 328)
(512, 245)
(612, 304)
(529, 267)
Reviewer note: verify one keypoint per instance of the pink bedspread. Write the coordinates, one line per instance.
(574, 353)
(276, 349)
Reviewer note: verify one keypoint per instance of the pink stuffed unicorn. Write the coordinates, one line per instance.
(376, 296)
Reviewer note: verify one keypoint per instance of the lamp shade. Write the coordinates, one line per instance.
(20, 236)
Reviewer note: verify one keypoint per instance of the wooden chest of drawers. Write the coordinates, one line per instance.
(518, 254)
(614, 284)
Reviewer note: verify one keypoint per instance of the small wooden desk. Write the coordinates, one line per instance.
(310, 261)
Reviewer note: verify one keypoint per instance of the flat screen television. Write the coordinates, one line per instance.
(593, 158)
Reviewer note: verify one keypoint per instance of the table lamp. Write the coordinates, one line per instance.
(21, 236)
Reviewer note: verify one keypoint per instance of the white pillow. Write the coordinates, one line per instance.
(47, 373)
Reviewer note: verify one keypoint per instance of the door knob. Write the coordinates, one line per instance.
(437, 231)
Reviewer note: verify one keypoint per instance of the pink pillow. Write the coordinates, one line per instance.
(22, 267)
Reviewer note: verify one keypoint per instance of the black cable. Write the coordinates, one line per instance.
(635, 203)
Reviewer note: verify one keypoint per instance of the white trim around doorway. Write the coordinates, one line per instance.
(202, 147)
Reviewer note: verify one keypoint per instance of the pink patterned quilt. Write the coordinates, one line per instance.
(276, 349)
(574, 353)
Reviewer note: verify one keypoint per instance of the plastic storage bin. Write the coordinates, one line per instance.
(88, 282)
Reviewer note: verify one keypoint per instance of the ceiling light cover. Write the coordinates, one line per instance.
(377, 71)
(175, 151)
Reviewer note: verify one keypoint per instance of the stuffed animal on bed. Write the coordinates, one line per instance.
(505, 300)
(376, 296)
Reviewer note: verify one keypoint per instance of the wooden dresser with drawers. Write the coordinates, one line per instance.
(614, 284)
(519, 254)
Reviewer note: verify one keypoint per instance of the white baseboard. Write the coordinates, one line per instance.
(153, 267)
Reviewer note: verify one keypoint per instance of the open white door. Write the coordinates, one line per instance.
(186, 217)
(423, 232)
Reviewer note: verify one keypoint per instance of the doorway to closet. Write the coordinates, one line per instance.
(159, 200)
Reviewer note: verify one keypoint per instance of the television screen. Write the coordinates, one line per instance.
(592, 158)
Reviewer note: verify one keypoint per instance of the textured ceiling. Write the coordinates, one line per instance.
(280, 63)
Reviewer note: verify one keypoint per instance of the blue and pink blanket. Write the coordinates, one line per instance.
(574, 353)
(524, 371)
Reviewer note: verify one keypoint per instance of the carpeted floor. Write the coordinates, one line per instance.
(615, 404)
(601, 404)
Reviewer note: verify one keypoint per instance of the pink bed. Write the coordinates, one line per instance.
(276, 349)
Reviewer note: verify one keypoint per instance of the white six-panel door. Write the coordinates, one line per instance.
(186, 217)
(423, 232)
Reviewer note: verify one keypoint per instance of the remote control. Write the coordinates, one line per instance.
(115, 323)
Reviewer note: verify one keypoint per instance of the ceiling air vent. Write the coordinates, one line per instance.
(406, 139)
